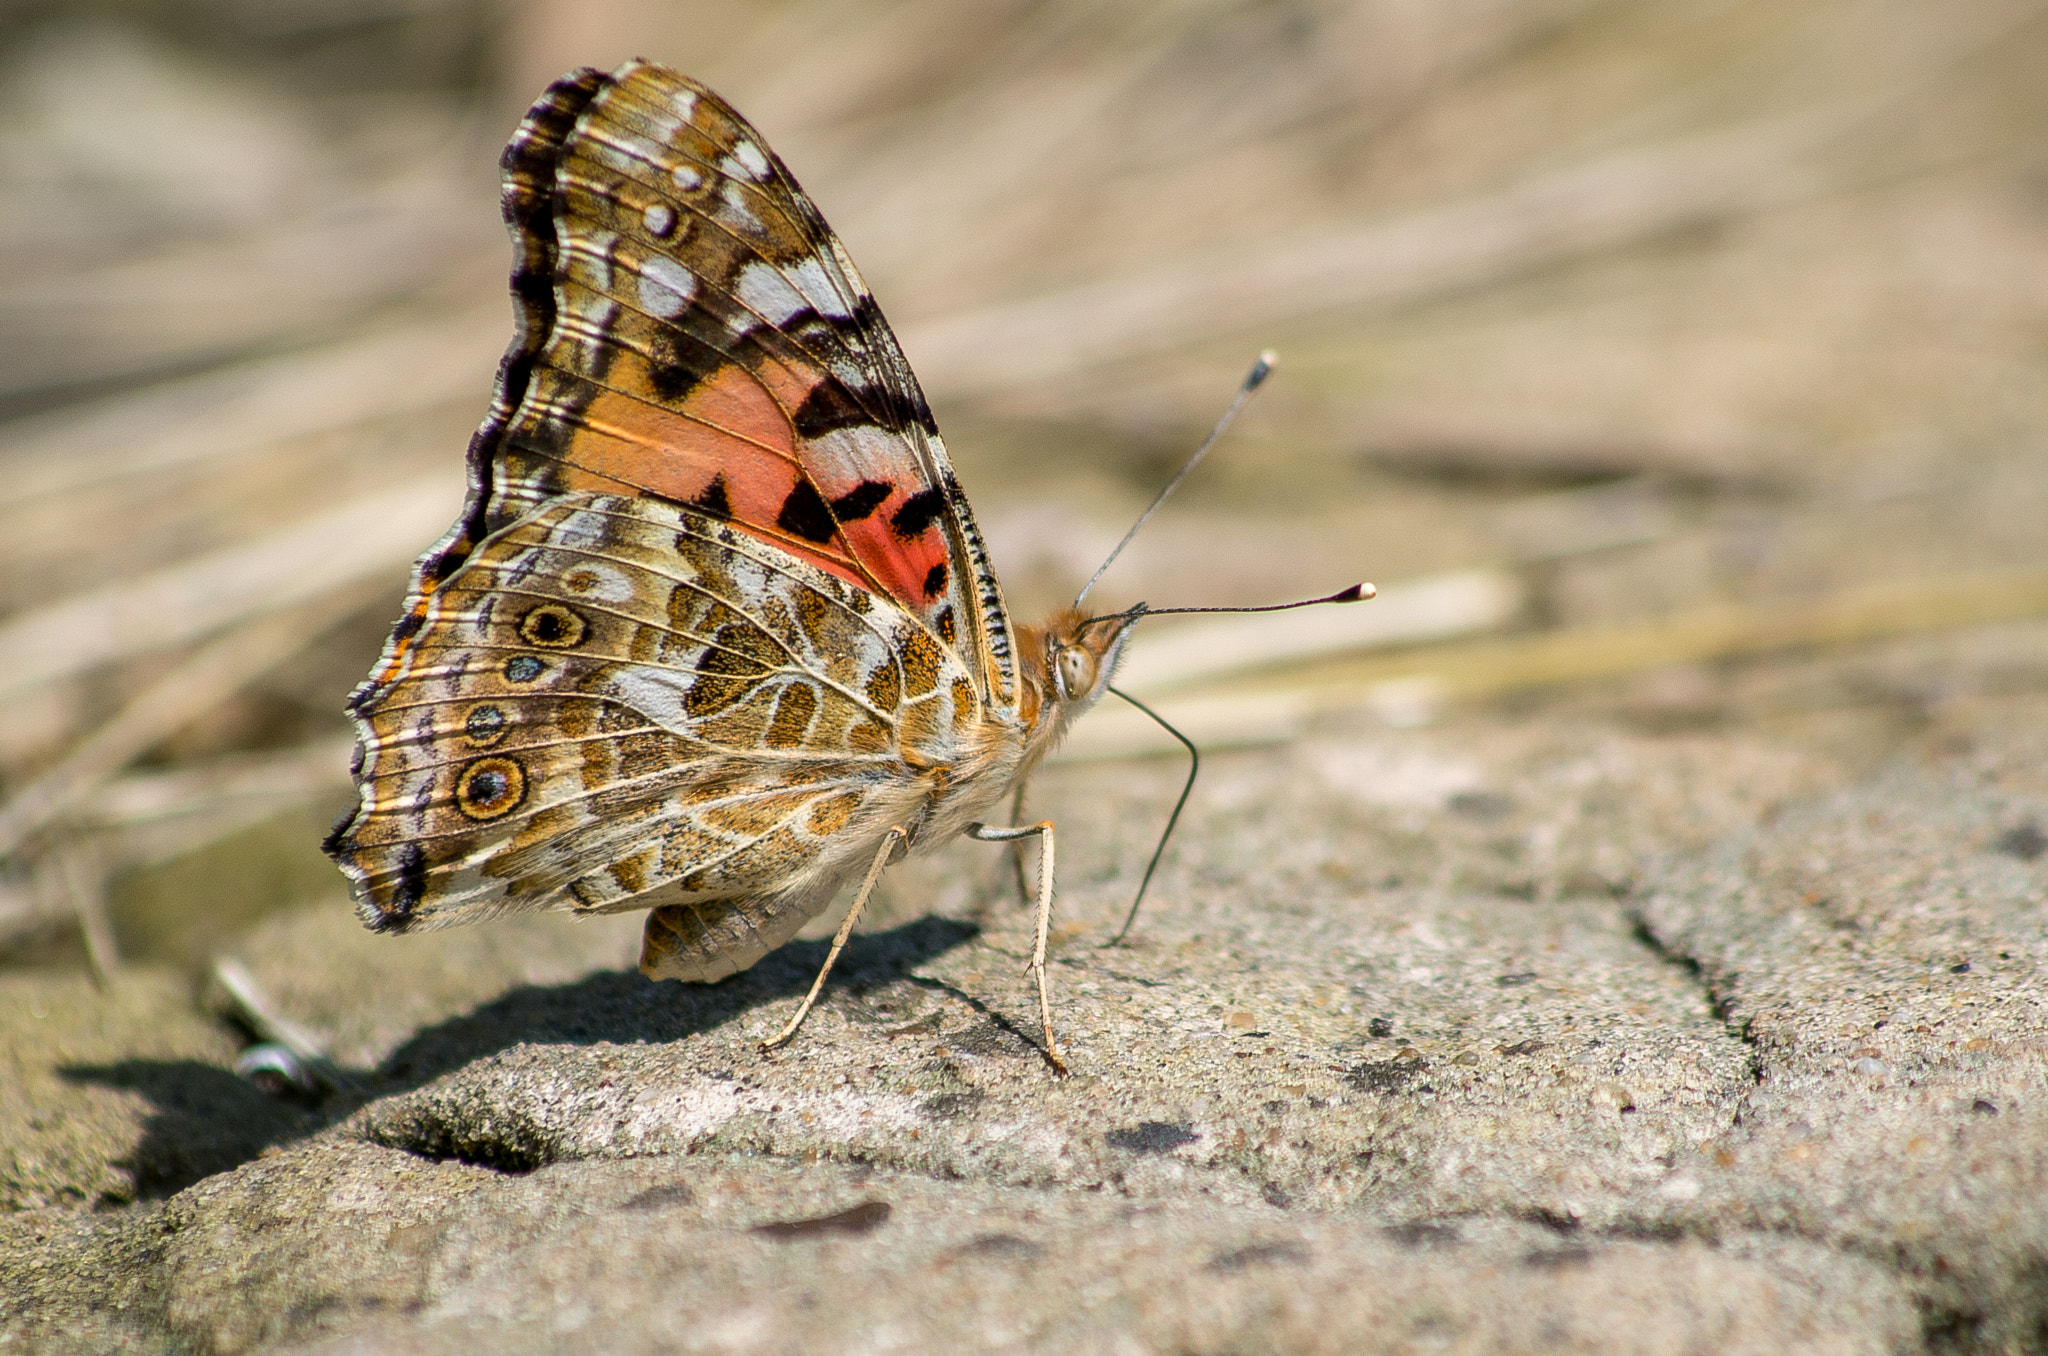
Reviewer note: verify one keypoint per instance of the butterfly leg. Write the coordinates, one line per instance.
(1043, 832)
(892, 840)
(1017, 848)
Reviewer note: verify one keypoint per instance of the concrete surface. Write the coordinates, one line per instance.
(1526, 1032)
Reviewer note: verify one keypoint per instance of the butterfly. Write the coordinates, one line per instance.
(715, 633)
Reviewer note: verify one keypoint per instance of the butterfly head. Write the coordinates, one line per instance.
(1076, 657)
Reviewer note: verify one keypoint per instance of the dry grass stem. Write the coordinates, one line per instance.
(194, 686)
(373, 536)
(1612, 202)
(249, 406)
(1414, 687)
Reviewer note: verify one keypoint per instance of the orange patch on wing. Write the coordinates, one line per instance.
(734, 401)
(789, 386)
(730, 427)
(902, 567)
(623, 442)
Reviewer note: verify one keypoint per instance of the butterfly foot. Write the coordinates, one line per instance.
(1052, 1046)
(786, 1035)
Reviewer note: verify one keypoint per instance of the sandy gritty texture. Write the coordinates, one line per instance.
(107, 1095)
(1517, 1033)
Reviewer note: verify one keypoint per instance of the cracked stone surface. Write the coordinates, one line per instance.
(1512, 1034)
(1883, 951)
(698, 1253)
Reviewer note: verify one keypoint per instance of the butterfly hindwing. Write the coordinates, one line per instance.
(619, 704)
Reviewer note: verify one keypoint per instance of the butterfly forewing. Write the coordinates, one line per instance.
(712, 346)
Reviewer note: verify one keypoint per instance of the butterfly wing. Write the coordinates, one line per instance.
(617, 703)
(714, 574)
(692, 329)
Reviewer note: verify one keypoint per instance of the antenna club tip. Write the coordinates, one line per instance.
(1261, 369)
(1356, 593)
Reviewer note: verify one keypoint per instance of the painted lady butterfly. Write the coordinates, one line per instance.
(715, 632)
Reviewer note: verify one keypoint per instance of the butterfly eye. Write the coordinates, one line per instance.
(1075, 671)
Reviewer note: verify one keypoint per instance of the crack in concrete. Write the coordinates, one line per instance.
(1718, 1003)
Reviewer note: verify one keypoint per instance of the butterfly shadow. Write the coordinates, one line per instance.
(204, 1119)
(622, 1007)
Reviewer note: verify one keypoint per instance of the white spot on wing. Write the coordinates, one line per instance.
(659, 219)
(847, 456)
(639, 147)
(580, 530)
(816, 284)
(750, 159)
(664, 121)
(763, 290)
(687, 177)
(734, 211)
(623, 151)
(666, 287)
(656, 693)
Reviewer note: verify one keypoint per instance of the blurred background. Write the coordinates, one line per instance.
(1684, 362)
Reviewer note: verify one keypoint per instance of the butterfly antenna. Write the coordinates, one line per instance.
(1254, 379)
(1355, 594)
(1194, 766)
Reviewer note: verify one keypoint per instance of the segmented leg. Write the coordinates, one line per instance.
(890, 842)
(1043, 830)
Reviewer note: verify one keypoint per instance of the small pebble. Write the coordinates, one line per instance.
(1871, 1067)
(2025, 841)
(1984, 1108)
(274, 1069)
(1614, 1095)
